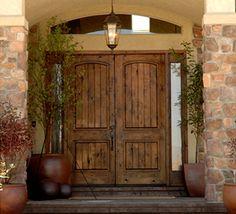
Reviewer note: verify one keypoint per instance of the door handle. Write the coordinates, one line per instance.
(112, 136)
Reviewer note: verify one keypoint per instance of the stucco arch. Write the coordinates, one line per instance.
(132, 42)
(146, 10)
(37, 11)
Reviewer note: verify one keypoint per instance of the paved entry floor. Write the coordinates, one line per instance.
(126, 205)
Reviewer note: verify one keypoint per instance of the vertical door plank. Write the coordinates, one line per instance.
(134, 98)
(92, 156)
(98, 156)
(91, 95)
(85, 95)
(140, 96)
(141, 152)
(135, 155)
(128, 95)
(97, 93)
(79, 156)
(162, 87)
(85, 155)
(154, 155)
(79, 96)
(104, 156)
(129, 155)
(147, 100)
(153, 95)
(104, 96)
(148, 155)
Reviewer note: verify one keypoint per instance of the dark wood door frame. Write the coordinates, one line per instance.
(172, 178)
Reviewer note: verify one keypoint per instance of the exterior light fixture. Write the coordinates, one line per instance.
(112, 27)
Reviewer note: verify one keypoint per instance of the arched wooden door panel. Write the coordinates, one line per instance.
(118, 134)
(140, 119)
(89, 138)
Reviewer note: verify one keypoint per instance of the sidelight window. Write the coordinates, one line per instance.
(176, 140)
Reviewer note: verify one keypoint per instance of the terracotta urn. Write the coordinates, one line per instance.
(13, 198)
(229, 197)
(194, 175)
(50, 166)
(46, 173)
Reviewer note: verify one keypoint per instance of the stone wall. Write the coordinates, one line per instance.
(13, 58)
(197, 41)
(219, 105)
(13, 75)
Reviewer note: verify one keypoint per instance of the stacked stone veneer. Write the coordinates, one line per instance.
(219, 105)
(13, 61)
(13, 76)
(197, 41)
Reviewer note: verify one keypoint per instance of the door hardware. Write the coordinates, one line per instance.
(112, 136)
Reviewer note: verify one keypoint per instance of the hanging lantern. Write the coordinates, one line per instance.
(112, 27)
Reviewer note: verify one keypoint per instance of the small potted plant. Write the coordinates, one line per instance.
(15, 144)
(229, 190)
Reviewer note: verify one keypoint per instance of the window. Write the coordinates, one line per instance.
(140, 24)
(93, 25)
(176, 140)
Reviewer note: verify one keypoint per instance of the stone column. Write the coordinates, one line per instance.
(13, 60)
(219, 30)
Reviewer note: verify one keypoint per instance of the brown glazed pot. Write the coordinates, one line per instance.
(229, 197)
(13, 198)
(55, 167)
(194, 174)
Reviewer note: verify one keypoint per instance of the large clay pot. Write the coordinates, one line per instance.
(49, 189)
(13, 198)
(229, 197)
(194, 174)
(55, 167)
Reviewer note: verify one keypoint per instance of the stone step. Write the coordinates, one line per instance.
(129, 206)
(127, 191)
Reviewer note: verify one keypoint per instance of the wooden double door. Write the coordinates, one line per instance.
(118, 132)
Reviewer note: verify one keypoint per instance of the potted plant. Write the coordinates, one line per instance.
(229, 190)
(50, 91)
(192, 96)
(15, 145)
